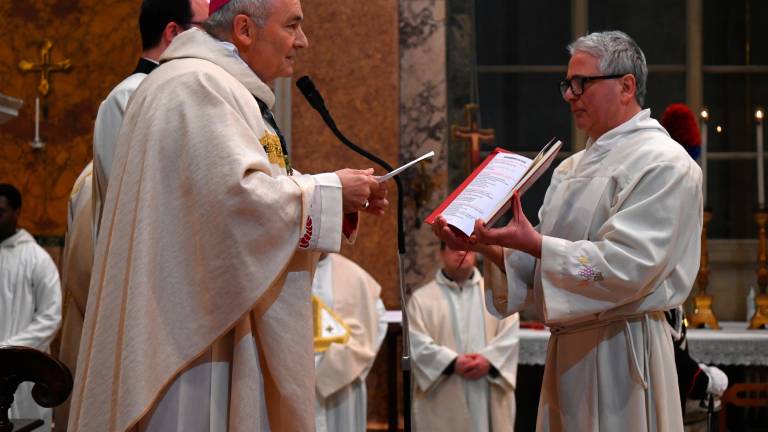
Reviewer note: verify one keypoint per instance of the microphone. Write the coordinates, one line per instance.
(308, 89)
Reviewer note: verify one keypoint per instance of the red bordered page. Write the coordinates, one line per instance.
(537, 167)
(439, 210)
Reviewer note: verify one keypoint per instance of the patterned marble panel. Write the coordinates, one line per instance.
(102, 41)
(459, 65)
(423, 127)
(353, 60)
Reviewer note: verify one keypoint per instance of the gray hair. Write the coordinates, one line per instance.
(219, 24)
(617, 53)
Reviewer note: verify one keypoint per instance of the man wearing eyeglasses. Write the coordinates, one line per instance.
(616, 246)
(199, 316)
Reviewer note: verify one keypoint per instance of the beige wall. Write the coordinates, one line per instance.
(353, 60)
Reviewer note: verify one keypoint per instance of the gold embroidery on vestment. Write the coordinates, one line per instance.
(325, 336)
(271, 144)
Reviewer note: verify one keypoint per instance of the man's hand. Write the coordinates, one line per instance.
(472, 366)
(361, 191)
(463, 362)
(518, 234)
(378, 202)
(455, 240)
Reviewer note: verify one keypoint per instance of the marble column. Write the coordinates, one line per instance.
(423, 127)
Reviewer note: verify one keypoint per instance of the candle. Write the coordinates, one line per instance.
(703, 156)
(760, 160)
(37, 118)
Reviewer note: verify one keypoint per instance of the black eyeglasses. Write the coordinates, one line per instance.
(576, 83)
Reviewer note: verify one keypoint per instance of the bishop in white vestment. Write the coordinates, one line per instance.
(448, 320)
(341, 368)
(199, 315)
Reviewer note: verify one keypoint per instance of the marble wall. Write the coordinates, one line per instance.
(423, 127)
(102, 41)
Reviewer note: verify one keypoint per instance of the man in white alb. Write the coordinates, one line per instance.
(464, 360)
(30, 296)
(617, 245)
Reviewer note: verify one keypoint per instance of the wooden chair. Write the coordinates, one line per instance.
(53, 383)
(739, 395)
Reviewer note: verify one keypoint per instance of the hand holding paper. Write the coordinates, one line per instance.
(397, 171)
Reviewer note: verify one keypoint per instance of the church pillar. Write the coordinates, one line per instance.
(423, 127)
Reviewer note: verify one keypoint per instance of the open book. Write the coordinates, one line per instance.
(485, 194)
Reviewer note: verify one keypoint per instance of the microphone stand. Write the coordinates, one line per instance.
(405, 360)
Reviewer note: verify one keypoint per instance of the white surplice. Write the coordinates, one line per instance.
(621, 224)
(109, 119)
(447, 319)
(30, 308)
(199, 314)
(341, 370)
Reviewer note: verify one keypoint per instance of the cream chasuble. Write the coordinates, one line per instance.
(77, 260)
(30, 309)
(199, 315)
(447, 320)
(342, 368)
(621, 224)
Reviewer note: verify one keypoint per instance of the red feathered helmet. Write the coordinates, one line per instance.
(681, 124)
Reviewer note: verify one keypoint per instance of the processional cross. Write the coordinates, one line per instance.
(45, 67)
(472, 134)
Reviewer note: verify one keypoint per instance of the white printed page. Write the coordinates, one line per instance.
(487, 192)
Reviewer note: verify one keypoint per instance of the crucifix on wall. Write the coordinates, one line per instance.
(45, 67)
(472, 134)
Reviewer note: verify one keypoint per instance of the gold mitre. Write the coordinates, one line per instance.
(328, 326)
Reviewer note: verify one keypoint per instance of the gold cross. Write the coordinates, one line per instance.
(45, 67)
(472, 134)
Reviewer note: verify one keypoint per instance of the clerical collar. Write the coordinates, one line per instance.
(469, 278)
(145, 66)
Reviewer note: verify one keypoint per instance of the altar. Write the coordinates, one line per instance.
(742, 354)
(734, 345)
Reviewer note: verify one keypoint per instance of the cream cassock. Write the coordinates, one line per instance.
(342, 368)
(448, 319)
